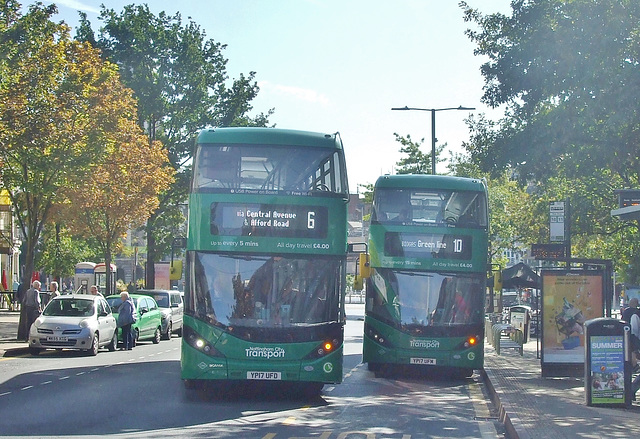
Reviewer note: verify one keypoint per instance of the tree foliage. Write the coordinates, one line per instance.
(179, 78)
(123, 189)
(57, 101)
(566, 73)
(416, 162)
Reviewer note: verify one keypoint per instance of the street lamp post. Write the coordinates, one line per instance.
(433, 128)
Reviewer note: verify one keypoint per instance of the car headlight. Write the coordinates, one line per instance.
(84, 323)
(39, 321)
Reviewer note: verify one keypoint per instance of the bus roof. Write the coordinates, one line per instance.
(270, 136)
(428, 181)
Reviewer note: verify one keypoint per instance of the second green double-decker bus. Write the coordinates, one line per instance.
(428, 265)
(266, 257)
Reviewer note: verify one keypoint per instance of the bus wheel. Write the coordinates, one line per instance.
(311, 390)
(466, 373)
(190, 384)
(373, 367)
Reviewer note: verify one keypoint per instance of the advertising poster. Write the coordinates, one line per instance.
(162, 276)
(607, 369)
(568, 300)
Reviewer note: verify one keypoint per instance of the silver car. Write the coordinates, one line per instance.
(78, 321)
(171, 305)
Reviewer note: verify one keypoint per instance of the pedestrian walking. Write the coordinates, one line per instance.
(32, 305)
(126, 316)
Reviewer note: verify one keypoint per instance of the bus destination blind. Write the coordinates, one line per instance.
(285, 221)
(428, 245)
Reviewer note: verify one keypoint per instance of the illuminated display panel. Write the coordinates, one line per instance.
(253, 219)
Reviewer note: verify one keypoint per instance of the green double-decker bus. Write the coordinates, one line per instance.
(266, 258)
(428, 267)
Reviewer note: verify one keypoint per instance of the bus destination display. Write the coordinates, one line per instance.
(284, 221)
(428, 245)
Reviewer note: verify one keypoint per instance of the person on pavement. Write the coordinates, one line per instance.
(32, 304)
(23, 331)
(630, 310)
(94, 290)
(126, 316)
(53, 287)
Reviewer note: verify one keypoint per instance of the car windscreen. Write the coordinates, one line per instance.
(115, 302)
(69, 307)
(162, 299)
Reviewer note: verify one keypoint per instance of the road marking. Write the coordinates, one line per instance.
(63, 378)
(27, 388)
(80, 373)
(289, 421)
(45, 383)
(267, 436)
(5, 393)
(329, 389)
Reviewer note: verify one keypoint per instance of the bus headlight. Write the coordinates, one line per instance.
(373, 334)
(470, 342)
(196, 341)
(325, 348)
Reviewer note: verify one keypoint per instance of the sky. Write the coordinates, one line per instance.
(341, 65)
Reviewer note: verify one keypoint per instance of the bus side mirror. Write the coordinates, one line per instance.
(364, 266)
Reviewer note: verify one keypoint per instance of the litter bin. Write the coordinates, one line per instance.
(607, 367)
(520, 318)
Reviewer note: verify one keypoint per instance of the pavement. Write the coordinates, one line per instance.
(529, 405)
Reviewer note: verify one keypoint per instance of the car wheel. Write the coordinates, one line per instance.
(34, 351)
(95, 345)
(114, 341)
(167, 335)
(156, 336)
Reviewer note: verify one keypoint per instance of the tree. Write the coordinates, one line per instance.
(566, 73)
(179, 78)
(416, 161)
(122, 191)
(56, 103)
(59, 251)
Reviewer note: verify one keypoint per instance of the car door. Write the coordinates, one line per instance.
(105, 322)
(144, 317)
(176, 310)
(155, 315)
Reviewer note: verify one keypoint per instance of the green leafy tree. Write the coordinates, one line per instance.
(566, 74)
(60, 251)
(179, 78)
(54, 112)
(416, 162)
(123, 189)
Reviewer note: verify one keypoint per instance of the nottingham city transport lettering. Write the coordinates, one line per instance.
(269, 352)
(425, 344)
